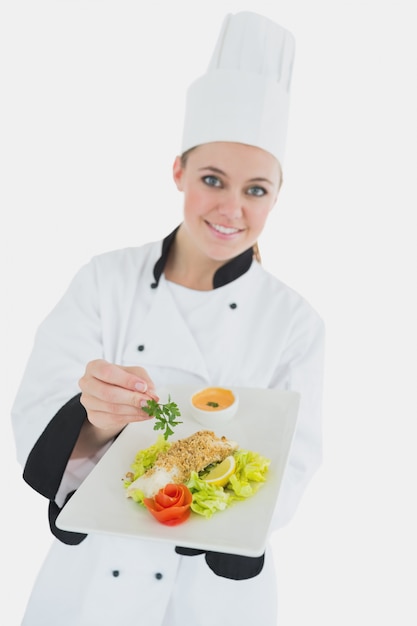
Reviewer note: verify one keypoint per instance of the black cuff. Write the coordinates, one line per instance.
(70, 538)
(49, 456)
(188, 551)
(233, 566)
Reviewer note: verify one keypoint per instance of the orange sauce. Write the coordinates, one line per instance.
(213, 399)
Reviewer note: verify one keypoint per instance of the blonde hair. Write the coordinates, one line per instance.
(256, 253)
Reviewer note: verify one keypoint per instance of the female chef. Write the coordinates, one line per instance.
(196, 308)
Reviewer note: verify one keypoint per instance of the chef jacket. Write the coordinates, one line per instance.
(251, 330)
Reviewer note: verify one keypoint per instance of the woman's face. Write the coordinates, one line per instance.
(229, 190)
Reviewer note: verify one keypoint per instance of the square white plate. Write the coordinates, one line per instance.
(265, 423)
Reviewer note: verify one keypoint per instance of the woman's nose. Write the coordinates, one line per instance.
(231, 205)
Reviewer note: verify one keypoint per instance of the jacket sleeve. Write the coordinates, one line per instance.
(47, 414)
(301, 369)
(69, 337)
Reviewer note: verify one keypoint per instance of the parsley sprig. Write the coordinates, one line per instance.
(164, 415)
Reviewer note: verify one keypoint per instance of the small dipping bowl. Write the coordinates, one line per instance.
(213, 406)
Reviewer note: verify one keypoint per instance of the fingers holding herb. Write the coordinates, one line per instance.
(165, 415)
(112, 395)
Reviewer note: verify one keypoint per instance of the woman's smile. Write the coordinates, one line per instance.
(223, 231)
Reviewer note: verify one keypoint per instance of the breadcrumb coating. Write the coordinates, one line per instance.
(193, 453)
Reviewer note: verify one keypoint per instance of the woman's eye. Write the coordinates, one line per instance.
(212, 181)
(256, 191)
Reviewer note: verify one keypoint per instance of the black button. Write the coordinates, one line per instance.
(233, 305)
(115, 573)
(158, 575)
(141, 348)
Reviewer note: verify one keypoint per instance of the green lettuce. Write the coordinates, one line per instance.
(207, 499)
(251, 469)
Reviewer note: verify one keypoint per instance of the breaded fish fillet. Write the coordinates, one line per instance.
(175, 465)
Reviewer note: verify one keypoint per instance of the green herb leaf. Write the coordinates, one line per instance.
(164, 415)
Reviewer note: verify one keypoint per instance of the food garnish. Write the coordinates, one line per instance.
(165, 415)
(221, 473)
(171, 505)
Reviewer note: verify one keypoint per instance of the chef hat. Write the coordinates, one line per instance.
(244, 95)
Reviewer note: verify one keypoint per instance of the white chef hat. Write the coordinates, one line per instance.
(244, 95)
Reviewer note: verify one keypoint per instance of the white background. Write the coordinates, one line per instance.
(92, 97)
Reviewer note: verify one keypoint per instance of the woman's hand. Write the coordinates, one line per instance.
(114, 395)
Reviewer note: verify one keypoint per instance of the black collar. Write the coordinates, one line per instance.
(224, 275)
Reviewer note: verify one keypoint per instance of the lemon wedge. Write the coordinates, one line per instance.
(220, 474)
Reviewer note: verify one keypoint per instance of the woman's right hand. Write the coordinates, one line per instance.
(113, 396)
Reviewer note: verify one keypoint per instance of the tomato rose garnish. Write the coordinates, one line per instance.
(171, 505)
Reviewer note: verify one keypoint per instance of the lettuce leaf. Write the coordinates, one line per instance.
(251, 469)
(207, 499)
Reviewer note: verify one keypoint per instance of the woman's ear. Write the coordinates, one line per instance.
(177, 173)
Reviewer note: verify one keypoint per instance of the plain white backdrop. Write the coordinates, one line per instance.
(92, 97)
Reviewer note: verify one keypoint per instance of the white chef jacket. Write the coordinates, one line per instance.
(250, 331)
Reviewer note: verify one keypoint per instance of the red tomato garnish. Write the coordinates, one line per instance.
(171, 505)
